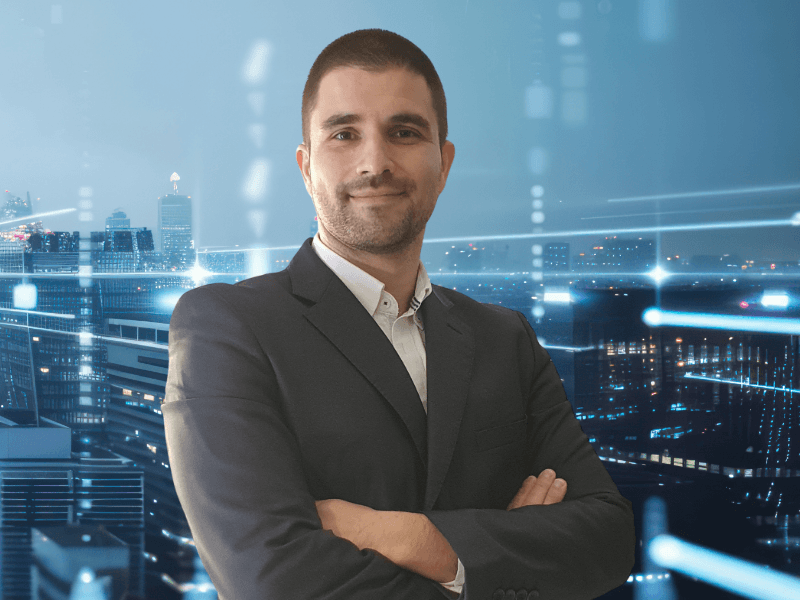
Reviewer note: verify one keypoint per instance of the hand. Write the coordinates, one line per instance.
(545, 489)
(409, 540)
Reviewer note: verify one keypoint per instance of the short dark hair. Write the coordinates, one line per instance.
(373, 50)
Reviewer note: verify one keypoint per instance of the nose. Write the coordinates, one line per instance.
(375, 157)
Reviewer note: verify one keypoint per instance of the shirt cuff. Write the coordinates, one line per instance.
(458, 582)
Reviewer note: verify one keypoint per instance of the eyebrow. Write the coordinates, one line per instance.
(349, 118)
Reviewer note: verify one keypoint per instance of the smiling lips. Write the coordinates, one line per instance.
(378, 195)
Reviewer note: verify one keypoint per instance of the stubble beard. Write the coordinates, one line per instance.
(345, 221)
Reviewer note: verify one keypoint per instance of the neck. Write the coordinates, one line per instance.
(398, 272)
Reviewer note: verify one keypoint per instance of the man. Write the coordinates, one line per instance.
(344, 429)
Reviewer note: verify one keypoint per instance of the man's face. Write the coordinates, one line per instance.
(374, 169)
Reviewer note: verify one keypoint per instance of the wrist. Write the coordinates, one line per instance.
(428, 552)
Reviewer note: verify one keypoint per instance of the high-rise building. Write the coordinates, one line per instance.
(12, 255)
(43, 483)
(619, 255)
(52, 252)
(50, 369)
(61, 554)
(118, 220)
(124, 251)
(16, 207)
(175, 228)
(556, 257)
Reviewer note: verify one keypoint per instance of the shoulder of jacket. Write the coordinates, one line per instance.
(469, 305)
(253, 291)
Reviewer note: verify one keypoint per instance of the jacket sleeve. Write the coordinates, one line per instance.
(577, 549)
(239, 477)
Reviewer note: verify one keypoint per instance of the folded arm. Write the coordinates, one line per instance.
(410, 540)
(576, 549)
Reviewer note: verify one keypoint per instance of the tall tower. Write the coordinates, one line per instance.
(175, 228)
(118, 220)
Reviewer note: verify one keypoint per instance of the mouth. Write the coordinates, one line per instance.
(388, 195)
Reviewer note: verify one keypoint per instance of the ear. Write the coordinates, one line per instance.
(304, 162)
(448, 154)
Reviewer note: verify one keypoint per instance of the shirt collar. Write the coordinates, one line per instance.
(366, 288)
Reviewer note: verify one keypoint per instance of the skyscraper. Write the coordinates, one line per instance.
(175, 227)
(556, 257)
(118, 220)
(16, 207)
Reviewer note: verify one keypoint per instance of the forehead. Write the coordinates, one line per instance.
(371, 94)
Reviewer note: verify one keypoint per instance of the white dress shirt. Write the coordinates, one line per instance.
(406, 332)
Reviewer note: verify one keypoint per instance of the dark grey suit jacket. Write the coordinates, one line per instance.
(283, 390)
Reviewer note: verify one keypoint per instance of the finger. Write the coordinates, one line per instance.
(556, 492)
(540, 489)
(524, 490)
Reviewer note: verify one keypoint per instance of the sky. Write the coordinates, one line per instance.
(590, 100)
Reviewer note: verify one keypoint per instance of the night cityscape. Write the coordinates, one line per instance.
(672, 315)
(702, 417)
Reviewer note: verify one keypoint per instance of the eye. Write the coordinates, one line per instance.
(336, 136)
(408, 131)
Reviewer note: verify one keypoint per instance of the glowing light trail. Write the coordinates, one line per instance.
(727, 209)
(664, 318)
(742, 383)
(732, 275)
(651, 229)
(183, 541)
(776, 299)
(733, 192)
(569, 348)
(30, 218)
(723, 570)
(557, 297)
(260, 249)
(39, 313)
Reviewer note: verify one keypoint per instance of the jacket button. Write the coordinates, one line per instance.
(522, 594)
(499, 594)
(510, 595)
(533, 594)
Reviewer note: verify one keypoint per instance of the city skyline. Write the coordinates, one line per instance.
(670, 410)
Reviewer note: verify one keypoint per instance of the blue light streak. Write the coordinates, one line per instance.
(732, 275)
(742, 383)
(733, 192)
(557, 297)
(723, 570)
(776, 299)
(569, 348)
(39, 313)
(183, 541)
(31, 218)
(660, 213)
(655, 317)
(257, 249)
(632, 230)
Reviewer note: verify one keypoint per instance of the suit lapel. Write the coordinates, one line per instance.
(450, 350)
(449, 347)
(341, 318)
